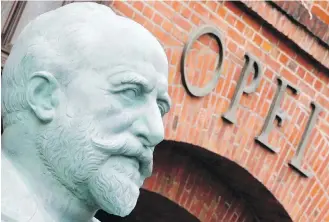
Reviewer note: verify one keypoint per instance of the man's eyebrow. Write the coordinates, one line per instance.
(127, 77)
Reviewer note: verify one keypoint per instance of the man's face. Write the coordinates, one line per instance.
(101, 145)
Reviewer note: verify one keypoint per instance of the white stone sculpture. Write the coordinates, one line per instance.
(83, 95)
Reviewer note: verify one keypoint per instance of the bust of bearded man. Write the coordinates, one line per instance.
(83, 95)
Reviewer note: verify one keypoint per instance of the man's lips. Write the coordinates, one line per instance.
(142, 155)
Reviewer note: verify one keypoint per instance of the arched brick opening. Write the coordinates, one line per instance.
(190, 183)
(211, 187)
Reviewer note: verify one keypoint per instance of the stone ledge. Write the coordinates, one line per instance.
(302, 38)
(299, 13)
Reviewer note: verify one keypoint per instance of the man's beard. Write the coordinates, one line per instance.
(98, 180)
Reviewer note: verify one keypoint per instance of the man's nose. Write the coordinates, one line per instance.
(149, 126)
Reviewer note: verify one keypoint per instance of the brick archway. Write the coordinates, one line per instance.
(211, 187)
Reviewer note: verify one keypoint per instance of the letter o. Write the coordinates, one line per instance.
(194, 90)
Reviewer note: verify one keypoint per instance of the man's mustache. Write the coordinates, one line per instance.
(122, 146)
(110, 147)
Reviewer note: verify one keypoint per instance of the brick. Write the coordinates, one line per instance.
(301, 72)
(231, 46)
(292, 66)
(148, 12)
(186, 13)
(323, 76)
(230, 19)
(307, 89)
(270, 62)
(265, 109)
(309, 78)
(269, 74)
(195, 19)
(275, 52)
(231, 90)
(139, 19)
(199, 8)
(289, 76)
(212, 5)
(139, 5)
(182, 22)
(236, 36)
(266, 46)
(257, 39)
(176, 5)
(324, 102)
(124, 9)
(167, 25)
(175, 58)
(221, 12)
(248, 33)
(239, 53)
(149, 26)
(240, 26)
(158, 19)
(254, 50)
(165, 10)
(283, 59)
(325, 91)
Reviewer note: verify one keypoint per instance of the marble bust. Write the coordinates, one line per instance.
(83, 95)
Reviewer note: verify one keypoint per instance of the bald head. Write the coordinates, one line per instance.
(74, 37)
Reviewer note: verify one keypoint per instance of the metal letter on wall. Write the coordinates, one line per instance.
(296, 162)
(194, 90)
(250, 64)
(275, 112)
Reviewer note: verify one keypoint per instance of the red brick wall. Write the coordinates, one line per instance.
(198, 121)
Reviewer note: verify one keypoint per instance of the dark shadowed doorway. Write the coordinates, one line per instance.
(151, 207)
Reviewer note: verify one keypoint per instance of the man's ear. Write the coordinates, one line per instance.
(41, 95)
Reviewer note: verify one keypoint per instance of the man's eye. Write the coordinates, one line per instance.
(130, 93)
(162, 109)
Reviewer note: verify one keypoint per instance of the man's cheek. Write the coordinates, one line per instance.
(115, 122)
